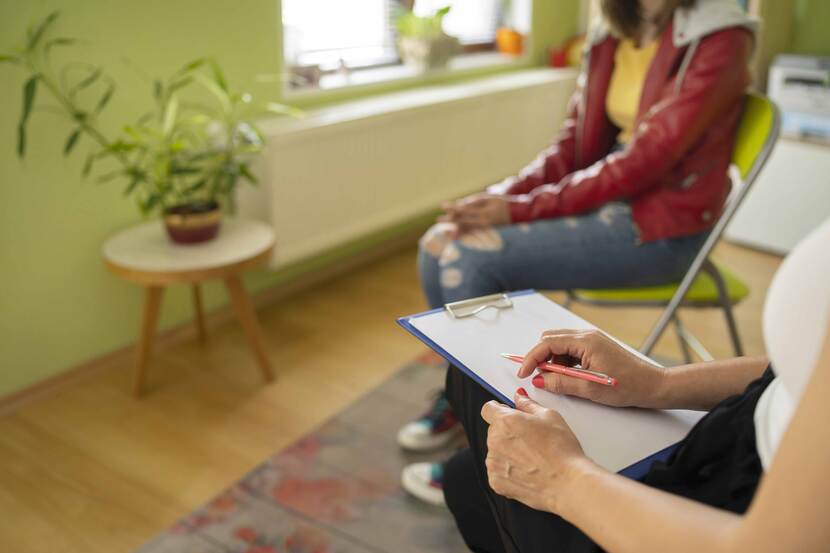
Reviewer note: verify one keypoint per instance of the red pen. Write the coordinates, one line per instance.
(583, 374)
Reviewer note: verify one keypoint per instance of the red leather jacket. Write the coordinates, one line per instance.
(674, 170)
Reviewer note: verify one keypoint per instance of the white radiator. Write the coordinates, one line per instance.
(346, 171)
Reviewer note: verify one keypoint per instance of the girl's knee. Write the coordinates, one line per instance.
(436, 239)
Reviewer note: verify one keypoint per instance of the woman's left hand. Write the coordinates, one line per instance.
(479, 210)
(532, 453)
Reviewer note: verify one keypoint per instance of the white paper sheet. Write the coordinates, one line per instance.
(614, 438)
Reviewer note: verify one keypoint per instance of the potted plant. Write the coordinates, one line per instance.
(422, 42)
(182, 159)
(508, 40)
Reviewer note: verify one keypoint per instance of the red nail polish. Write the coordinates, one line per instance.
(522, 392)
(539, 381)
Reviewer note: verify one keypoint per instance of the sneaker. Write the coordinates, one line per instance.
(425, 481)
(434, 429)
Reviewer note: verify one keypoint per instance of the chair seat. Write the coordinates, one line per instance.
(703, 292)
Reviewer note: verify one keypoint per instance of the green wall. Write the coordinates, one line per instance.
(811, 32)
(58, 305)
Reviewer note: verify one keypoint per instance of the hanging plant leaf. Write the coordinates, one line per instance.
(71, 141)
(91, 78)
(246, 173)
(36, 34)
(105, 99)
(29, 92)
(195, 64)
(218, 76)
(57, 42)
(90, 159)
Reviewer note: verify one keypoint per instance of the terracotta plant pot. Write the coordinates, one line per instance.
(194, 222)
(510, 42)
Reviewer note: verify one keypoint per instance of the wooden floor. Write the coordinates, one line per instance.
(90, 469)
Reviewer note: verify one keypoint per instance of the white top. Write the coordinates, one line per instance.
(146, 247)
(796, 319)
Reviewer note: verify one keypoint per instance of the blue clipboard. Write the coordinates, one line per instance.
(635, 471)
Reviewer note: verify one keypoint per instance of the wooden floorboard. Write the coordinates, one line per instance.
(88, 468)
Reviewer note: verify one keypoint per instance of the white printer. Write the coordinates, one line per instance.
(800, 85)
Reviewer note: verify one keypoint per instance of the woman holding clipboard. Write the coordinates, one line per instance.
(750, 476)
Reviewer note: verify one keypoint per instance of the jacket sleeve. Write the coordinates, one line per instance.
(716, 79)
(552, 164)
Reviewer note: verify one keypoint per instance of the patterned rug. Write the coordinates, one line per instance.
(334, 491)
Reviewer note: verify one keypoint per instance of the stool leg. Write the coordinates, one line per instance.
(247, 317)
(149, 321)
(200, 314)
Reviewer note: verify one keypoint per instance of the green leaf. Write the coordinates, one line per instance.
(35, 36)
(58, 42)
(246, 174)
(105, 99)
(90, 159)
(109, 176)
(121, 146)
(195, 64)
(217, 91)
(8, 58)
(218, 76)
(176, 85)
(170, 113)
(134, 181)
(29, 91)
(91, 78)
(71, 141)
(158, 90)
(21, 140)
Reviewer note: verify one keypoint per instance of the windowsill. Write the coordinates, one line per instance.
(396, 76)
(338, 116)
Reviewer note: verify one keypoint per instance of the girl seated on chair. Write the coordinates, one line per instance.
(625, 195)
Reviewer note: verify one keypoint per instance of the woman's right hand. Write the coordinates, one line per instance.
(638, 381)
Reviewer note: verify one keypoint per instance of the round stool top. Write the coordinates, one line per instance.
(145, 254)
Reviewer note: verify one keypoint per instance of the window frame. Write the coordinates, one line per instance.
(468, 60)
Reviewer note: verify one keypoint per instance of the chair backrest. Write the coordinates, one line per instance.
(757, 134)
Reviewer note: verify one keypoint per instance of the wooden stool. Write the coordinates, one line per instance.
(144, 255)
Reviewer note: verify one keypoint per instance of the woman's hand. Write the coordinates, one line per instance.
(532, 453)
(638, 381)
(477, 211)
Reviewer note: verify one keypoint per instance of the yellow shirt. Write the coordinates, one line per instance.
(623, 101)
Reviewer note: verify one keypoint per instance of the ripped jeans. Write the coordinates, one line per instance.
(595, 250)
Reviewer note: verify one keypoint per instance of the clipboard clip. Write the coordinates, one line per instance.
(472, 307)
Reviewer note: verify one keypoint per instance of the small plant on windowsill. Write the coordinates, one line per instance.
(422, 42)
(182, 159)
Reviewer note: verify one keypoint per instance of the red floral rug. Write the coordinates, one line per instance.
(335, 490)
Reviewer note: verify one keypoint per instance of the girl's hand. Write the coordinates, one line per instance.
(532, 453)
(638, 381)
(478, 211)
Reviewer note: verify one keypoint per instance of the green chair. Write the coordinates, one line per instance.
(705, 285)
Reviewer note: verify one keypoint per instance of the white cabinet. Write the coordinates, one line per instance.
(790, 198)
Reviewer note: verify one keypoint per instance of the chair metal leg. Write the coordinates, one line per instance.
(569, 299)
(681, 336)
(726, 304)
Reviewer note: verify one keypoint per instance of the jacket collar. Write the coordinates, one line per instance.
(692, 24)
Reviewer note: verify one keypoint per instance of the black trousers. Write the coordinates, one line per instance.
(717, 464)
(488, 522)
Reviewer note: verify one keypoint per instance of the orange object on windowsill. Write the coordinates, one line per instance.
(568, 54)
(510, 41)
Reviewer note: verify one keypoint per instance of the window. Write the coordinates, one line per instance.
(326, 39)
